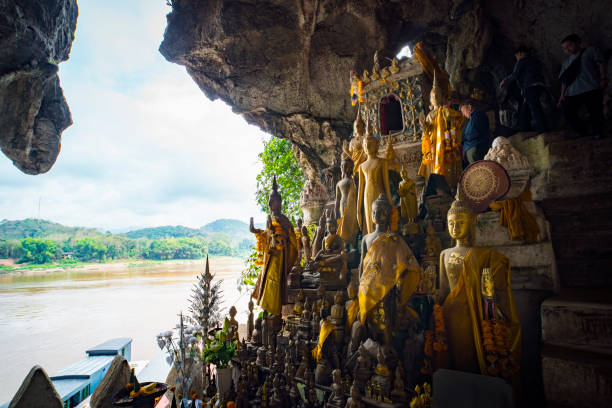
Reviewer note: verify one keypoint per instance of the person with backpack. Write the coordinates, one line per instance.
(527, 74)
(583, 78)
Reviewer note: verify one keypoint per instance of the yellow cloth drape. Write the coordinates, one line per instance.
(326, 329)
(463, 310)
(430, 65)
(388, 262)
(521, 224)
(438, 158)
(271, 287)
(351, 315)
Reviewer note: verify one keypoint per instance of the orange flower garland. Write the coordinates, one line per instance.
(435, 340)
(496, 343)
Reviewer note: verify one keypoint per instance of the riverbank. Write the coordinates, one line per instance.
(10, 268)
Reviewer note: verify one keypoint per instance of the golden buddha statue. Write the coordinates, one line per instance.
(306, 249)
(389, 274)
(346, 203)
(298, 307)
(354, 148)
(441, 135)
(408, 201)
(433, 245)
(466, 272)
(331, 261)
(279, 247)
(233, 324)
(373, 181)
(352, 305)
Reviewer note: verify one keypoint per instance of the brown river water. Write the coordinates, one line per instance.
(51, 318)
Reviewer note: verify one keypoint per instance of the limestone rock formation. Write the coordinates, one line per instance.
(116, 378)
(285, 65)
(36, 391)
(34, 38)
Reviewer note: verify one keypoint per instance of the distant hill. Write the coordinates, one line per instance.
(32, 227)
(167, 231)
(236, 229)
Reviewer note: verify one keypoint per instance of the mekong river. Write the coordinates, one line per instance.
(51, 318)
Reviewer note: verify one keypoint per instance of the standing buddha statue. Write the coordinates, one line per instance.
(354, 148)
(346, 203)
(466, 273)
(373, 181)
(408, 202)
(279, 247)
(442, 126)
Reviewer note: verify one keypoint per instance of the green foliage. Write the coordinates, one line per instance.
(87, 249)
(278, 160)
(251, 270)
(218, 350)
(35, 228)
(39, 251)
(10, 248)
(167, 231)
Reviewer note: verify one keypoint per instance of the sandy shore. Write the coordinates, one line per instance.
(122, 264)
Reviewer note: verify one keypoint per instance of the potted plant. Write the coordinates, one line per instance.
(219, 350)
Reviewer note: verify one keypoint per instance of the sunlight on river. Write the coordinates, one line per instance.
(50, 319)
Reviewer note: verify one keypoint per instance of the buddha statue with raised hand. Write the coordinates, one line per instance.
(279, 246)
(465, 294)
(331, 261)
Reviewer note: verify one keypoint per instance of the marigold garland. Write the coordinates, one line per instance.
(435, 340)
(496, 343)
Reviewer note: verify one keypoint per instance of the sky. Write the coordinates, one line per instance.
(147, 148)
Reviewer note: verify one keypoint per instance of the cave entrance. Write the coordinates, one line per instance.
(390, 115)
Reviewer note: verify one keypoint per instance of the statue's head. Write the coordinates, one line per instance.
(359, 125)
(370, 145)
(347, 165)
(338, 297)
(461, 219)
(437, 96)
(352, 289)
(404, 174)
(275, 203)
(332, 224)
(381, 210)
(233, 311)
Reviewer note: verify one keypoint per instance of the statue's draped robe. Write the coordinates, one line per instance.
(372, 179)
(347, 224)
(436, 158)
(326, 329)
(271, 287)
(463, 310)
(388, 263)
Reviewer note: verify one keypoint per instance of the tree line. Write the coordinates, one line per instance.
(110, 247)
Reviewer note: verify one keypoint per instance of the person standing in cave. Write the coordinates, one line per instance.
(476, 134)
(583, 79)
(527, 73)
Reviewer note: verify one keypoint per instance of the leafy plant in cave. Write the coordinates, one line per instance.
(205, 301)
(218, 350)
(251, 270)
(278, 160)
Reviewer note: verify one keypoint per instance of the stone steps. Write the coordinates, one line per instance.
(577, 348)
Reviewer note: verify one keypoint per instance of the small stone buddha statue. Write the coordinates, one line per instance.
(298, 308)
(363, 368)
(398, 393)
(233, 323)
(306, 249)
(336, 398)
(382, 374)
(256, 339)
(331, 261)
(338, 319)
(322, 300)
(461, 291)
(346, 203)
(352, 305)
(250, 324)
(354, 400)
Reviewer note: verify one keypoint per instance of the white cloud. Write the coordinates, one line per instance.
(146, 147)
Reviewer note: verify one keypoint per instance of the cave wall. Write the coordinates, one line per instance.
(35, 36)
(284, 65)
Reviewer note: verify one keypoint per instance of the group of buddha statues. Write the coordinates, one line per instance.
(371, 305)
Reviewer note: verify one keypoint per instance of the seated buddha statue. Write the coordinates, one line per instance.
(331, 261)
(462, 288)
(389, 276)
(336, 398)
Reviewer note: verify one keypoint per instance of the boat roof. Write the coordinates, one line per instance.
(84, 367)
(109, 347)
(66, 387)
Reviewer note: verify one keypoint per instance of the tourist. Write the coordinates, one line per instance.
(583, 78)
(527, 74)
(476, 134)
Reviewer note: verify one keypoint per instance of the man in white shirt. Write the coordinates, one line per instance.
(583, 78)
